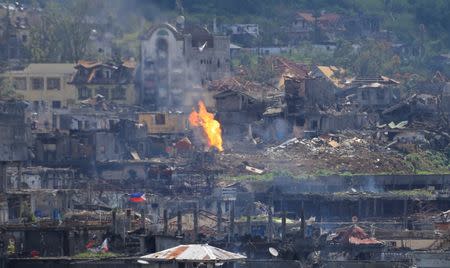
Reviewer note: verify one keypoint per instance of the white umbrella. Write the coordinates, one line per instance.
(194, 253)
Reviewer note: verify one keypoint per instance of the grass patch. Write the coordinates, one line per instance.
(428, 162)
(250, 177)
(413, 193)
(94, 255)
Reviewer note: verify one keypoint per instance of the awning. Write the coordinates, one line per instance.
(194, 253)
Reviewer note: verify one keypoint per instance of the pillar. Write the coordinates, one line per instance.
(359, 208)
(19, 175)
(142, 244)
(3, 182)
(270, 225)
(367, 206)
(405, 207)
(375, 207)
(114, 221)
(165, 221)
(179, 223)
(231, 232)
(195, 223)
(405, 213)
(143, 219)
(219, 217)
(283, 225)
(302, 223)
(129, 219)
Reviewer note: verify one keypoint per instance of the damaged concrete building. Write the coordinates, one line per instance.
(176, 61)
(14, 143)
(293, 165)
(112, 80)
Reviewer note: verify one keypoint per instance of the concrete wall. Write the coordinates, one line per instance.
(375, 96)
(173, 123)
(14, 133)
(372, 183)
(67, 94)
(109, 92)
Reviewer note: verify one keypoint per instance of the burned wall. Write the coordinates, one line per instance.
(14, 132)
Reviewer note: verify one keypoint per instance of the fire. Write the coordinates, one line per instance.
(211, 127)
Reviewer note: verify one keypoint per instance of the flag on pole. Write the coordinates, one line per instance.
(137, 197)
(104, 247)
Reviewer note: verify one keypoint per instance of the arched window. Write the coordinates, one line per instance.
(162, 48)
(162, 33)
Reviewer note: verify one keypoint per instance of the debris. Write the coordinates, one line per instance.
(254, 170)
(333, 143)
(284, 144)
(135, 155)
(400, 125)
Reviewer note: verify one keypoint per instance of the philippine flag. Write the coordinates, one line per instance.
(137, 197)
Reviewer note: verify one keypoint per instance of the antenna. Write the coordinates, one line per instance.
(179, 6)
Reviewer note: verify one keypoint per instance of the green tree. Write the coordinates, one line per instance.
(6, 89)
(375, 58)
(62, 32)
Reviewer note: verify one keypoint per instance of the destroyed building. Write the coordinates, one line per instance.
(15, 32)
(297, 166)
(239, 104)
(177, 60)
(327, 99)
(14, 144)
(114, 81)
(310, 26)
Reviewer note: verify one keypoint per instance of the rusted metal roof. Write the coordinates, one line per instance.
(194, 253)
(88, 64)
(325, 18)
(355, 235)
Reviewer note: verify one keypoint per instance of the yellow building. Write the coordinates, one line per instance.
(163, 122)
(44, 84)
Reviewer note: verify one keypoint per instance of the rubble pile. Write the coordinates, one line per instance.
(346, 152)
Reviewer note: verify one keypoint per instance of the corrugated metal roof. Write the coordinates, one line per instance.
(194, 253)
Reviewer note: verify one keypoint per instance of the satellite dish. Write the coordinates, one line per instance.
(180, 20)
(273, 252)
(143, 262)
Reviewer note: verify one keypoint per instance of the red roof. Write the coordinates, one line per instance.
(284, 66)
(324, 18)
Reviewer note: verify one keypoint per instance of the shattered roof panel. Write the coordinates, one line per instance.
(286, 67)
(375, 79)
(131, 64)
(242, 86)
(367, 241)
(194, 253)
(332, 73)
(88, 64)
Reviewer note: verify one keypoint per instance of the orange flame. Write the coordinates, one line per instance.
(211, 127)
